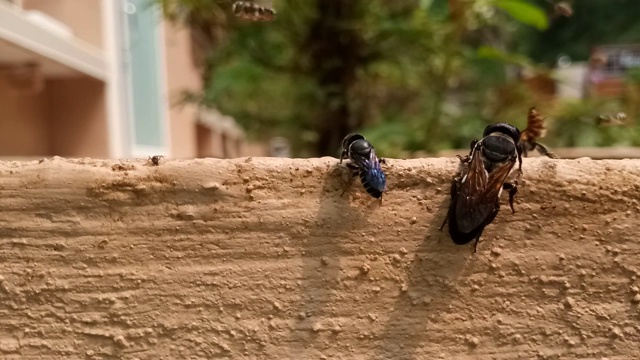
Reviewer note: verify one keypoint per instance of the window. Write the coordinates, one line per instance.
(145, 76)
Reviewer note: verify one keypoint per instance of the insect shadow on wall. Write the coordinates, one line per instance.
(363, 162)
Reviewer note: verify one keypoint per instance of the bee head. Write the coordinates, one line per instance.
(349, 139)
(505, 129)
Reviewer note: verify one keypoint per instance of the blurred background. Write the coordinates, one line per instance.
(188, 78)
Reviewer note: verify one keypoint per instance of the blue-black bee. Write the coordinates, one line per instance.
(365, 163)
(155, 159)
(475, 197)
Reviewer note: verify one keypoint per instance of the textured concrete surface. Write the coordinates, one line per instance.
(262, 259)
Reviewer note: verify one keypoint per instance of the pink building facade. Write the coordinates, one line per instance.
(101, 78)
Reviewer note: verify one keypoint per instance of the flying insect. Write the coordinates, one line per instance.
(475, 196)
(248, 10)
(365, 163)
(618, 119)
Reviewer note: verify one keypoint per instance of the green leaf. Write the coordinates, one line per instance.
(525, 12)
(488, 52)
(425, 4)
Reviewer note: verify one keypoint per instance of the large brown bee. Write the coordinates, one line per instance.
(475, 194)
(535, 129)
(248, 10)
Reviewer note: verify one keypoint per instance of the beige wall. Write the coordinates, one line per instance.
(265, 259)
(181, 75)
(23, 123)
(188, 138)
(204, 141)
(77, 114)
(83, 16)
(68, 118)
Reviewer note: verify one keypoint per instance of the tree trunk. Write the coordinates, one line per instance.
(334, 53)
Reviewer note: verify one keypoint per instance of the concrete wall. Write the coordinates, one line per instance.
(262, 259)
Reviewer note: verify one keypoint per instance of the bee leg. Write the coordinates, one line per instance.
(352, 167)
(544, 151)
(513, 190)
(382, 161)
(475, 245)
(343, 155)
(519, 163)
(472, 145)
(349, 182)
(446, 218)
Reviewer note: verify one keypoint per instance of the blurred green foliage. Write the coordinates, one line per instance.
(594, 22)
(411, 75)
(574, 125)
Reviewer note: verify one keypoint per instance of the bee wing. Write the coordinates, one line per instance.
(368, 162)
(478, 194)
(496, 180)
(371, 172)
(470, 212)
(374, 162)
(361, 161)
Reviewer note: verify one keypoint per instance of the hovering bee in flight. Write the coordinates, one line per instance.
(365, 163)
(475, 196)
(562, 8)
(535, 129)
(619, 119)
(248, 10)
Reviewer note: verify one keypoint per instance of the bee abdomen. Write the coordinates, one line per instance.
(368, 187)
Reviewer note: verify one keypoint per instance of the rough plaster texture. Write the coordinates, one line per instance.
(262, 259)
